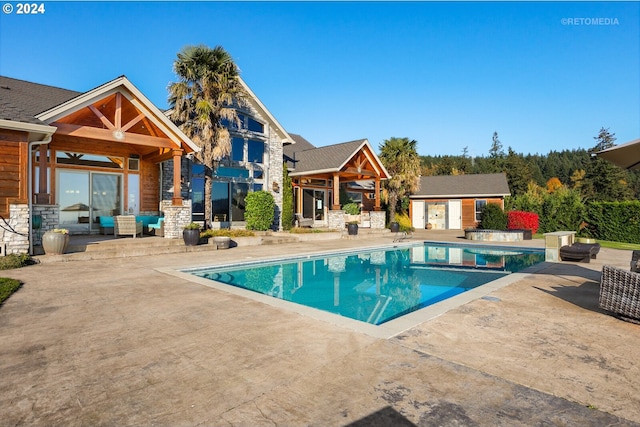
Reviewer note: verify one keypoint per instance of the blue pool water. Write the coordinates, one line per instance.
(380, 285)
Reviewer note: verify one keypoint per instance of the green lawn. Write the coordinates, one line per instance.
(7, 287)
(607, 244)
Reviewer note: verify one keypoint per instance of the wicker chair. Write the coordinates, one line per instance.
(620, 292)
(127, 225)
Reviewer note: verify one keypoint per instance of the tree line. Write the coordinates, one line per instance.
(580, 171)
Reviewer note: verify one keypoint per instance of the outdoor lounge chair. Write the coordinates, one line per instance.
(620, 292)
(303, 222)
(579, 252)
(126, 225)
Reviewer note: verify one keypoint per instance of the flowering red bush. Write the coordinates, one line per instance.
(517, 220)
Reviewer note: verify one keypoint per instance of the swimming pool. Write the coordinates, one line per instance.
(376, 286)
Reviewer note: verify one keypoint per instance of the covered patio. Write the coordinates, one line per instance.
(104, 160)
(321, 174)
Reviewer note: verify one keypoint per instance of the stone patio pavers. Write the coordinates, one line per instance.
(118, 343)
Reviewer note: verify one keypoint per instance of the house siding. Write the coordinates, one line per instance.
(13, 165)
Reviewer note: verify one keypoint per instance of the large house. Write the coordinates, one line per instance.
(71, 158)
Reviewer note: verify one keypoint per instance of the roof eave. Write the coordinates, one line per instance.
(36, 132)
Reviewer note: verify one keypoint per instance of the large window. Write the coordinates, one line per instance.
(237, 149)
(480, 204)
(256, 151)
(255, 126)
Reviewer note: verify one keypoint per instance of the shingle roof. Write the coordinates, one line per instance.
(21, 101)
(329, 158)
(475, 185)
(301, 144)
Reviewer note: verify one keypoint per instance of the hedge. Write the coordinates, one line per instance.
(260, 210)
(518, 220)
(613, 221)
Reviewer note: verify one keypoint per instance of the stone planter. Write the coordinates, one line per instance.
(222, 242)
(55, 243)
(191, 237)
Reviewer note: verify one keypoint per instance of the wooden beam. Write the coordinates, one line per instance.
(118, 118)
(107, 135)
(132, 122)
(360, 172)
(102, 117)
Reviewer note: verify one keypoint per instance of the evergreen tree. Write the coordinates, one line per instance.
(604, 181)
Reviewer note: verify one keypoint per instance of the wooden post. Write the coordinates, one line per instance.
(336, 192)
(177, 178)
(376, 206)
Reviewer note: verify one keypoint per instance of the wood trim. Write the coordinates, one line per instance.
(106, 135)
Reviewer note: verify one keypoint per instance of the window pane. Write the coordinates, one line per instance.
(232, 172)
(92, 160)
(239, 192)
(479, 206)
(255, 126)
(237, 149)
(197, 195)
(220, 196)
(256, 151)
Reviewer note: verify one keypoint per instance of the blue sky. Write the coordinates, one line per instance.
(447, 74)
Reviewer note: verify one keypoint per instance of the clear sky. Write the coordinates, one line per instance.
(544, 75)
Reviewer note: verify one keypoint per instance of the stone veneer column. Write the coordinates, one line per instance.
(175, 218)
(336, 220)
(14, 235)
(50, 218)
(377, 219)
(275, 166)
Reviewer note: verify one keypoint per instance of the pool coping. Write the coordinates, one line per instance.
(386, 330)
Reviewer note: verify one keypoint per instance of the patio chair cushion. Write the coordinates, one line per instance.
(580, 252)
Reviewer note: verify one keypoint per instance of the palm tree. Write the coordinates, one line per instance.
(206, 94)
(400, 158)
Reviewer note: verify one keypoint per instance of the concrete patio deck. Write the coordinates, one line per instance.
(120, 342)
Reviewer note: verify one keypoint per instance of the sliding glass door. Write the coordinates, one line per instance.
(83, 196)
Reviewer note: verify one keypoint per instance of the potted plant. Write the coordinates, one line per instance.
(55, 241)
(352, 228)
(395, 227)
(191, 234)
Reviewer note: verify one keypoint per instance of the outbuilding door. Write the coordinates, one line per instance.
(417, 214)
(455, 215)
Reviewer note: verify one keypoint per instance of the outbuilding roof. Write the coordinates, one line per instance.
(474, 185)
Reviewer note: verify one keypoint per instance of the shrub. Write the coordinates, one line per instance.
(351, 209)
(15, 261)
(614, 221)
(493, 217)
(287, 199)
(260, 210)
(517, 220)
(562, 210)
(404, 221)
(226, 232)
(7, 287)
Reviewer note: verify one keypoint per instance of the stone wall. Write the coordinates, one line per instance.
(175, 218)
(14, 232)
